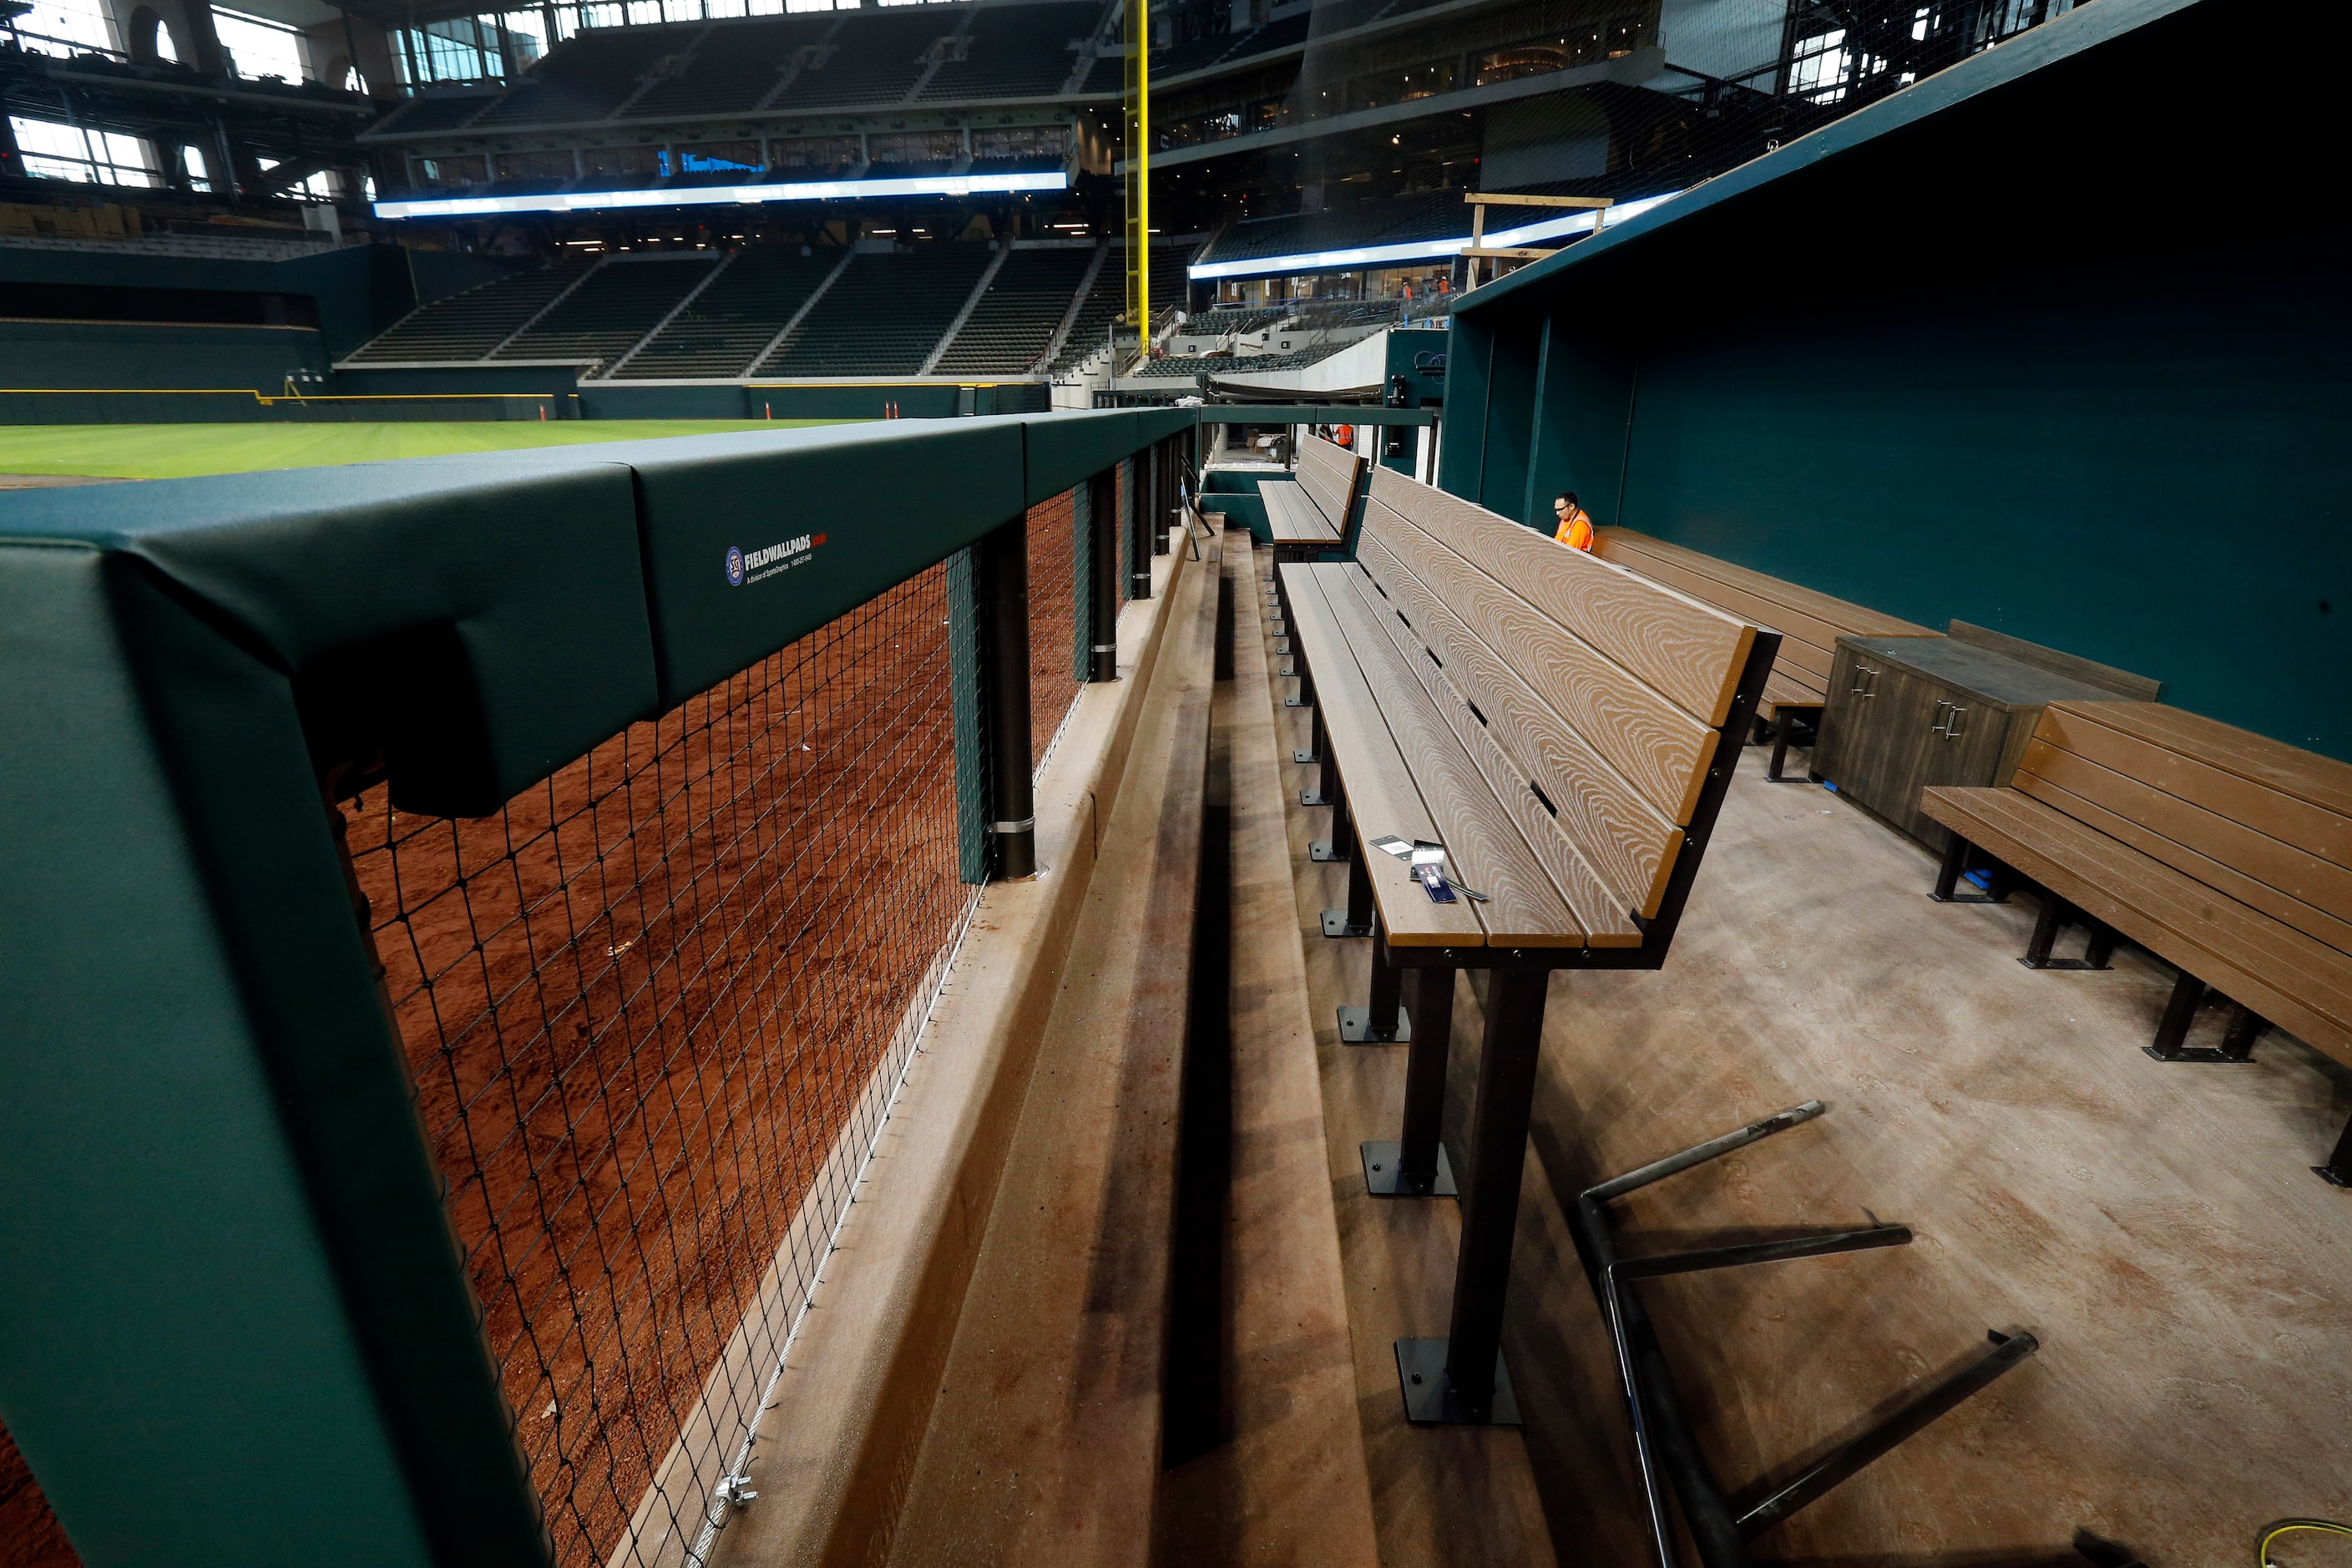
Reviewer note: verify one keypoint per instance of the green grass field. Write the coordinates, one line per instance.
(179, 451)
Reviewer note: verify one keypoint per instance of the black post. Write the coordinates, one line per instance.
(1139, 524)
(1383, 1020)
(1341, 845)
(1355, 920)
(1003, 559)
(1163, 492)
(1102, 519)
(1468, 1387)
(1424, 1079)
(1415, 1166)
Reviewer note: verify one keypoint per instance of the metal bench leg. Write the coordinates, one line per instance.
(2245, 1027)
(1415, 1166)
(2337, 1171)
(1783, 735)
(1314, 753)
(1383, 1020)
(1947, 877)
(1340, 846)
(1460, 1380)
(1305, 696)
(2180, 1013)
(2237, 1036)
(1355, 920)
(2055, 913)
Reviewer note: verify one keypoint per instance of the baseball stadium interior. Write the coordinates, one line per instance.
(1152, 783)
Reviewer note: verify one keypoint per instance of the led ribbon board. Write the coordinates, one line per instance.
(726, 195)
(1420, 250)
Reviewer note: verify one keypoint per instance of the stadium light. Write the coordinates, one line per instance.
(725, 195)
(1420, 250)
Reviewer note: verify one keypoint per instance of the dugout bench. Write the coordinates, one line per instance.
(1566, 730)
(1789, 708)
(1309, 514)
(2225, 854)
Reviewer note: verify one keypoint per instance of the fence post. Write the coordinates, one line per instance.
(1163, 491)
(1102, 533)
(1002, 559)
(1139, 524)
(967, 686)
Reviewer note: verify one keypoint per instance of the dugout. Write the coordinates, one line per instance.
(2126, 454)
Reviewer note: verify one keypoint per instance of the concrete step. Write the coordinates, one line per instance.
(1045, 1443)
(1267, 1465)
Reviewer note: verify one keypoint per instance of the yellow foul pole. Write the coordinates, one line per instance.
(1139, 170)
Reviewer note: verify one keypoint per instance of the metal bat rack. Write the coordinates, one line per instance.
(1721, 1524)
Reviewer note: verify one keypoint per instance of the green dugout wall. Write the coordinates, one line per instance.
(233, 1328)
(2032, 343)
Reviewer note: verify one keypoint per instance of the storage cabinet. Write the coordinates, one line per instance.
(1904, 714)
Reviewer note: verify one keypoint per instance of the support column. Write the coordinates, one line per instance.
(1102, 537)
(1138, 523)
(1003, 562)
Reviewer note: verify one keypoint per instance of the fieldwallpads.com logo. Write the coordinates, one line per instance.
(763, 563)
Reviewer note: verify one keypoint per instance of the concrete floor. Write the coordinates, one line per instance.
(2156, 1225)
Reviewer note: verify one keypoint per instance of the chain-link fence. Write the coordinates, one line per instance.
(649, 1005)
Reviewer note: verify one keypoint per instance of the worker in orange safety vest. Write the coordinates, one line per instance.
(1575, 523)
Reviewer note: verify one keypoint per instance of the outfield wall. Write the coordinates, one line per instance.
(124, 355)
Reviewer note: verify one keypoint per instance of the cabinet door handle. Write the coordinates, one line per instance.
(1866, 680)
(1953, 729)
(1940, 725)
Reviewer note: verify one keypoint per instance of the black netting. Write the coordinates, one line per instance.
(1052, 619)
(654, 1008)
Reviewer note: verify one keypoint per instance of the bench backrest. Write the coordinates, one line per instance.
(1603, 691)
(1330, 474)
(1809, 624)
(2250, 817)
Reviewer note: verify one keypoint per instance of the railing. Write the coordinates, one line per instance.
(660, 777)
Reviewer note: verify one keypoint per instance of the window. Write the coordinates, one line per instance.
(257, 47)
(1818, 67)
(56, 152)
(59, 26)
(466, 170)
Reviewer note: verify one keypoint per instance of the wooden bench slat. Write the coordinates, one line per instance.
(1852, 619)
(1691, 652)
(1382, 796)
(1781, 690)
(1807, 642)
(1599, 909)
(1657, 747)
(2092, 730)
(2169, 827)
(1523, 909)
(1290, 518)
(2316, 924)
(2319, 781)
(2299, 985)
(1629, 842)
